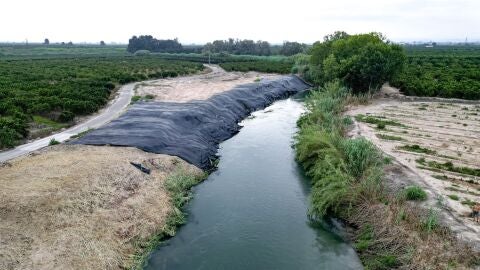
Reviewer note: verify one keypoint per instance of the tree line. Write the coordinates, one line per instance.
(229, 46)
(152, 44)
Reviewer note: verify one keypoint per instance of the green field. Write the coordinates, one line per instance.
(61, 88)
(443, 71)
(16, 51)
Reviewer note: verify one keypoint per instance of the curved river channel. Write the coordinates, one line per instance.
(251, 213)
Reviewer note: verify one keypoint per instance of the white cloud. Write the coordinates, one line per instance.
(202, 21)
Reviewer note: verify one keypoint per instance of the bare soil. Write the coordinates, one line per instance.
(449, 128)
(198, 87)
(82, 207)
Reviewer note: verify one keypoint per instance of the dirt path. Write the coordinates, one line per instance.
(198, 87)
(178, 89)
(112, 111)
(450, 133)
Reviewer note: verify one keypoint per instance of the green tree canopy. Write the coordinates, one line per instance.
(362, 62)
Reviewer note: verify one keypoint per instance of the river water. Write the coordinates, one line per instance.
(251, 213)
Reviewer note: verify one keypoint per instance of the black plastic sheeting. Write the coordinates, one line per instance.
(193, 130)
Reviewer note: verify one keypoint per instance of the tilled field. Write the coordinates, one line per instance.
(439, 141)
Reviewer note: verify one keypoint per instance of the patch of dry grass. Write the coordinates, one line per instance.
(398, 233)
(82, 207)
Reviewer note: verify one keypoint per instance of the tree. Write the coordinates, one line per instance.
(152, 44)
(245, 46)
(102, 43)
(46, 41)
(362, 62)
(292, 48)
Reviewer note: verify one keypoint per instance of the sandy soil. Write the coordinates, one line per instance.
(198, 87)
(452, 130)
(81, 207)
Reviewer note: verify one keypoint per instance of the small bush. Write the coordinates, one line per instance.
(454, 197)
(135, 99)
(415, 193)
(53, 142)
(381, 125)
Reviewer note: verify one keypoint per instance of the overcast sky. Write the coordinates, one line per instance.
(200, 21)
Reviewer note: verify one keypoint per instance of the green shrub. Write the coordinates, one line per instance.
(66, 116)
(414, 193)
(53, 142)
(363, 62)
(454, 197)
(8, 137)
(360, 154)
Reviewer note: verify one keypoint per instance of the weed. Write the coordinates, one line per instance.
(454, 197)
(468, 202)
(381, 126)
(417, 149)
(414, 193)
(53, 142)
(390, 137)
(377, 120)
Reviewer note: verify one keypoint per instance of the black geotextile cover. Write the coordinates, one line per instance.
(192, 130)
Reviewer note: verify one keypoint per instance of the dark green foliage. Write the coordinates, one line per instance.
(237, 46)
(449, 71)
(292, 48)
(363, 62)
(414, 193)
(53, 142)
(153, 45)
(454, 197)
(61, 88)
(342, 170)
(282, 67)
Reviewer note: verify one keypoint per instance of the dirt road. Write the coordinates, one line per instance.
(112, 111)
(179, 89)
(198, 87)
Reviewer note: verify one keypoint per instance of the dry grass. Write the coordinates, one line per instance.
(82, 207)
(398, 230)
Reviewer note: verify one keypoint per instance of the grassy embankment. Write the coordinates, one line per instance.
(389, 230)
(178, 186)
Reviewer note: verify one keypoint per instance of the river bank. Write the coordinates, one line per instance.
(103, 207)
(352, 179)
(251, 212)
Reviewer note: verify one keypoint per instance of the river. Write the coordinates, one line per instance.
(251, 213)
